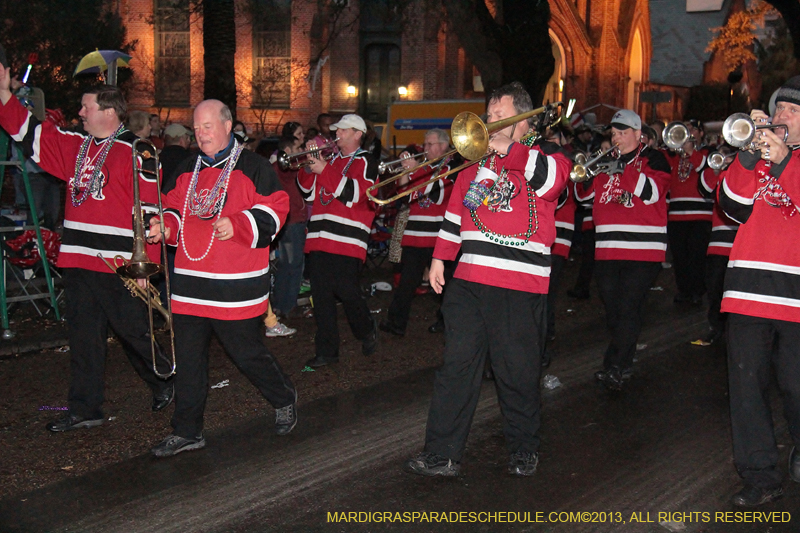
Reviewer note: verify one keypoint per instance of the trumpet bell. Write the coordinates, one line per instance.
(738, 130)
(675, 135)
(580, 158)
(716, 160)
(579, 173)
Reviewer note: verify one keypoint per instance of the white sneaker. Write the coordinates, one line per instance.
(280, 330)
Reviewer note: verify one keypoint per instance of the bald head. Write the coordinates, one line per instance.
(212, 126)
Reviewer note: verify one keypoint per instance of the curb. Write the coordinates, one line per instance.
(11, 349)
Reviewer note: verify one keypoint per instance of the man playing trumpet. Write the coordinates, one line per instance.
(762, 298)
(497, 302)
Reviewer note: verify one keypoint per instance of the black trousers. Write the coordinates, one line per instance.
(584, 280)
(716, 265)
(336, 276)
(623, 287)
(508, 326)
(242, 341)
(556, 267)
(95, 301)
(688, 241)
(415, 260)
(755, 345)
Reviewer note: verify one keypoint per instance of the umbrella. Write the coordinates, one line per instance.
(101, 60)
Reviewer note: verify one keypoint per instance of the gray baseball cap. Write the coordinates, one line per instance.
(624, 119)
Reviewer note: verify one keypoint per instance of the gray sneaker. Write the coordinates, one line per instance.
(174, 444)
(523, 463)
(431, 464)
(286, 417)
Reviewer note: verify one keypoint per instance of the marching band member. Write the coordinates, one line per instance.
(630, 215)
(496, 303)
(426, 212)
(225, 209)
(97, 220)
(336, 243)
(762, 298)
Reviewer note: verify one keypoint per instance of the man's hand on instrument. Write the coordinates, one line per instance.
(317, 163)
(142, 282)
(500, 143)
(436, 275)
(224, 229)
(407, 162)
(772, 147)
(154, 234)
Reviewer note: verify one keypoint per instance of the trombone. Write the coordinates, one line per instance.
(471, 139)
(739, 130)
(584, 170)
(140, 266)
(292, 161)
(397, 164)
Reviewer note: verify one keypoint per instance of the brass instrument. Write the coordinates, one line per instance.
(471, 139)
(584, 168)
(140, 266)
(718, 160)
(675, 135)
(292, 161)
(397, 164)
(739, 130)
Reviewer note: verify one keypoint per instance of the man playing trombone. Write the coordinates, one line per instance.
(501, 217)
(97, 220)
(762, 297)
(427, 207)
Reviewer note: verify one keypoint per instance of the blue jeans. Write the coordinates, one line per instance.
(289, 267)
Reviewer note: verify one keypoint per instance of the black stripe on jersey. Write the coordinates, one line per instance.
(678, 206)
(631, 236)
(451, 227)
(97, 241)
(423, 226)
(738, 212)
(489, 249)
(265, 225)
(647, 190)
(656, 160)
(220, 290)
(337, 228)
(539, 177)
(723, 235)
(765, 282)
(564, 233)
(348, 192)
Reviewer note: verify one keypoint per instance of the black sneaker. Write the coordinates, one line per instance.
(286, 417)
(610, 377)
(320, 361)
(174, 445)
(389, 327)
(68, 422)
(431, 464)
(794, 465)
(370, 343)
(752, 496)
(162, 399)
(523, 463)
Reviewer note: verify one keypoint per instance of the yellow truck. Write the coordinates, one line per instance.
(408, 121)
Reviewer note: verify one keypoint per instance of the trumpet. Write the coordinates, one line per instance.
(583, 169)
(140, 266)
(471, 139)
(293, 162)
(718, 160)
(675, 135)
(739, 130)
(397, 164)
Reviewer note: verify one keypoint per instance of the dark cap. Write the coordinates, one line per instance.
(789, 91)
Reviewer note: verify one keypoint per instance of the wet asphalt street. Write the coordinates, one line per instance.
(609, 461)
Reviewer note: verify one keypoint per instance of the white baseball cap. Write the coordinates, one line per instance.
(350, 121)
(624, 119)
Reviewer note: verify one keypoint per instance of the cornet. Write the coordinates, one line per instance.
(397, 165)
(293, 162)
(739, 130)
(584, 169)
(718, 160)
(675, 135)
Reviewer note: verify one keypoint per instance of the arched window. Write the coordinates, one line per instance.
(635, 72)
(555, 86)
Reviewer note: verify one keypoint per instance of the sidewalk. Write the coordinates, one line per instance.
(32, 333)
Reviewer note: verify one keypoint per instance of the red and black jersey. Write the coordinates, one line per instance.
(630, 210)
(723, 228)
(763, 275)
(227, 280)
(685, 200)
(492, 239)
(565, 223)
(103, 222)
(426, 207)
(341, 215)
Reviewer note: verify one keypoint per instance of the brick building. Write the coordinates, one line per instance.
(602, 50)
